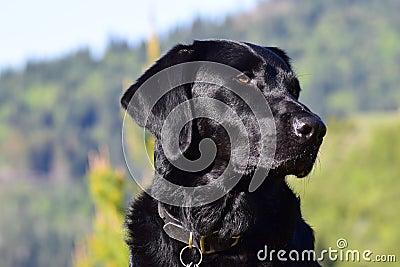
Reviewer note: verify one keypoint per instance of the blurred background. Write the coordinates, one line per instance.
(63, 66)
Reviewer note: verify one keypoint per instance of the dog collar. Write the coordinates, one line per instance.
(207, 244)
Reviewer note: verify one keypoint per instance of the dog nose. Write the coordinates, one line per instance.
(309, 128)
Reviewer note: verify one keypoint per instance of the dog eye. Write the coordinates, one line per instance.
(243, 78)
(294, 88)
(294, 92)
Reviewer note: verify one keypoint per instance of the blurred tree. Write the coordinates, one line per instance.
(153, 49)
(105, 246)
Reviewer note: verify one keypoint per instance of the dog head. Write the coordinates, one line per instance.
(229, 106)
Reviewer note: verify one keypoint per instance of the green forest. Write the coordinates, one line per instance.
(54, 113)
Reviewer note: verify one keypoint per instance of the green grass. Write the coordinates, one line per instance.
(354, 190)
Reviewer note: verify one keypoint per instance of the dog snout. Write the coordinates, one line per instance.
(309, 128)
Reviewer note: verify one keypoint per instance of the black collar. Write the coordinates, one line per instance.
(207, 244)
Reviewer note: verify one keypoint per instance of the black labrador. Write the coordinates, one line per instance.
(240, 228)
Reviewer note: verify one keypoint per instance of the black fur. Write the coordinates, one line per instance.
(269, 216)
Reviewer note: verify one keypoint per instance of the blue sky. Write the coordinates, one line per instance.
(44, 29)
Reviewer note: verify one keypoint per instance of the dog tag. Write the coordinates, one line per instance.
(191, 264)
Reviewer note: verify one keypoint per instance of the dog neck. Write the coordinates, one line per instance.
(207, 244)
(220, 225)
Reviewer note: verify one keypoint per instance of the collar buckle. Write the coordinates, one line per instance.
(212, 243)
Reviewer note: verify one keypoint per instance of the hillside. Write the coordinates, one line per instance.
(347, 56)
(345, 52)
(53, 113)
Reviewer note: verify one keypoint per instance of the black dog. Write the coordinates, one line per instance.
(232, 230)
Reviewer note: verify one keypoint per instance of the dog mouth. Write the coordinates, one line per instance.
(299, 166)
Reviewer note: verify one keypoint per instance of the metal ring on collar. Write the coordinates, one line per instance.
(190, 264)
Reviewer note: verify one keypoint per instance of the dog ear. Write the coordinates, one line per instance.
(282, 54)
(156, 93)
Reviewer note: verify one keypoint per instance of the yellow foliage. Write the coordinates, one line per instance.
(153, 49)
(105, 246)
